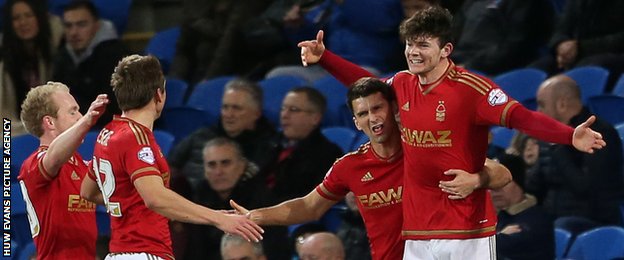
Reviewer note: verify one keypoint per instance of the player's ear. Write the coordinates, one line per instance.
(446, 50)
(357, 126)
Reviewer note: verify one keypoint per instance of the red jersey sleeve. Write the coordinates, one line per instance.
(333, 187)
(139, 159)
(343, 70)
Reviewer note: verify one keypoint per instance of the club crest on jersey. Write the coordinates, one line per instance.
(440, 111)
(497, 97)
(146, 155)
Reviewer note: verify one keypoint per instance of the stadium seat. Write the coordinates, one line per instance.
(115, 10)
(163, 46)
(19, 218)
(56, 6)
(341, 136)
(502, 136)
(591, 80)
(562, 242)
(102, 219)
(360, 139)
(336, 95)
(176, 92)
(182, 121)
(333, 217)
(521, 84)
(607, 107)
(165, 140)
(618, 89)
(23, 146)
(27, 251)
(599, 243)
(274, 90)
(207, 95)
(530, 103)
(86, 148)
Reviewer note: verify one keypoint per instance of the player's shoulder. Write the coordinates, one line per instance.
(463, 78)
(354, 156)
(127, 132)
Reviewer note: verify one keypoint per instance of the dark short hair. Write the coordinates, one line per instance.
(136, 80)
(82, 4)
(516, 166)
(314, 96)
(365, 87)
(434, 21)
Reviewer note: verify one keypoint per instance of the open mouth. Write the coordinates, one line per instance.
(377, 129)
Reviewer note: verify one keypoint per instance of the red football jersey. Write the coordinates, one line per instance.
(378, 187)
(125, 151)
(61, 222)
(445, 125)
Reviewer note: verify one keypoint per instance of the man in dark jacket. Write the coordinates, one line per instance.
(303, 153)
(572, 183)
(89, 57)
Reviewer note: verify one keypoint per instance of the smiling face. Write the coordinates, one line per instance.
(24, 21)
(238, 112)
(373, 115)
(423, 54)
(67, 114)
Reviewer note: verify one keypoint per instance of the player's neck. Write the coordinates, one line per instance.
(434, 74)
(142, 116)
(389, 148)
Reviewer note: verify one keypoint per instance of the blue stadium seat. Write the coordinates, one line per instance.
(102, 219)
(207, 95)
(182, 121)
(333, 217)
(562, 242)
(165, 140)
(116, 11)
(86, 148)
(591, 80)
(27, 251)
(530, 103)
(23, 146)
(599, 243)
(20, 226)
(341, 136)
(502, 136)
(274, 90)
(521, 84)
(618, 89)
(56, 6)
(163, 46)
(360, 139)
(176, 92)
(607, 107)
(336, 94)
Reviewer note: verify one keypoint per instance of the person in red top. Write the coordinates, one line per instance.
(132, 174)
(62, 223)
(374, 173)
(445, 113)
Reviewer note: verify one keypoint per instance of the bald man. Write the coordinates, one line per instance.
(322, 246)
(572, 183)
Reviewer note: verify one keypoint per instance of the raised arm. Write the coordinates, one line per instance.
(494, 175)
(299, 210)
(314, 51)
(173, 206)
(63, 146)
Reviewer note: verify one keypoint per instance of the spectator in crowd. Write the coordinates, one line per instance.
(497, 36)
(527, 148)
(352, 231)
(323, 245)
(89, 56)
(229, 175)
(241, 119)
(302, 153)
(62, 223)
(524, 230)
(588, 33)
(29, 42)
(572, 183)
(211, 42)
(237, 248)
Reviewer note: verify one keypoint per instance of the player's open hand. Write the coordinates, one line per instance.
(461, 186)
(311, 51)
(240, 225)
(585, 139)
(97, 108)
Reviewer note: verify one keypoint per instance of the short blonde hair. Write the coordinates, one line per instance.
(39, 103)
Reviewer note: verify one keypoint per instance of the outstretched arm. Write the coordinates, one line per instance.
(346, 72)
(63, 146)
(299, 210)
(494, 175)
(173, 206)
(542, 127)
